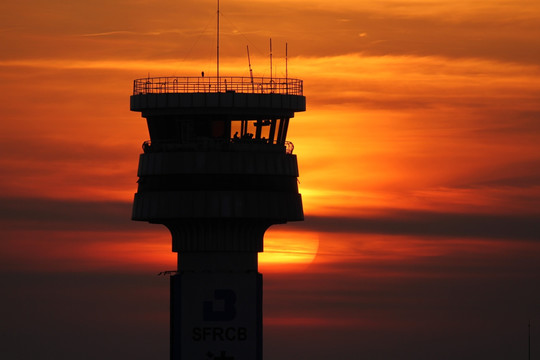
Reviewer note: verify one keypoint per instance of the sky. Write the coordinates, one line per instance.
(419, 158)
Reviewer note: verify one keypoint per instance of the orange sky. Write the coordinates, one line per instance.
(419, 161)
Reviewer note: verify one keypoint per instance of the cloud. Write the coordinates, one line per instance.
(430, 224)
(117, 32)
(65, 215)
(135, 33)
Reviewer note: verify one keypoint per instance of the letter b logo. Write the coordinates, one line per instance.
(222, 308)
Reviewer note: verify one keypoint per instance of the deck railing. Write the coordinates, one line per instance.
(256, 85)
(221, 144)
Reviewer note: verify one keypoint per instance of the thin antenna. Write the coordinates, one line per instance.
(270, 59)
(287, 67)
(217, 54)
(250, 70)
(529, 339)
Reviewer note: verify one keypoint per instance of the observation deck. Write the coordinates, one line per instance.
(240, 97)
(211, 113)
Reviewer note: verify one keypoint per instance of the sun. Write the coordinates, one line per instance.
(288, 250)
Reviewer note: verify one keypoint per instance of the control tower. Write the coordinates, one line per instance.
(217, 172)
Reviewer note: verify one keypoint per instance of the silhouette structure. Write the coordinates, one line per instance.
(217, 173)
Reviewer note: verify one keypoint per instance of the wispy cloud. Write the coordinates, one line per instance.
(117, 32)
(139, 33)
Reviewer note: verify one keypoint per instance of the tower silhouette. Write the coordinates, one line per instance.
(217, 172)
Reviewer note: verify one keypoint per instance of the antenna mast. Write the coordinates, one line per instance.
(270, 59)
(217, 54)
(287, 67)
(250, 70)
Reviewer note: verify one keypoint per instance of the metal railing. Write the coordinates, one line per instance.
(246, 85)
(224, 144)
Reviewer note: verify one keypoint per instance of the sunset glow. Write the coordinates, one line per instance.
(419, 160)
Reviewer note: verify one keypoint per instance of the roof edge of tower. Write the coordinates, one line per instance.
(220, 103)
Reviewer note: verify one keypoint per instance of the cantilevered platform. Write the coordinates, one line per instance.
(239, 97)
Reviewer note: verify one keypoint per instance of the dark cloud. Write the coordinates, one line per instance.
(66, 215)
(524, 182)
(428, 223)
